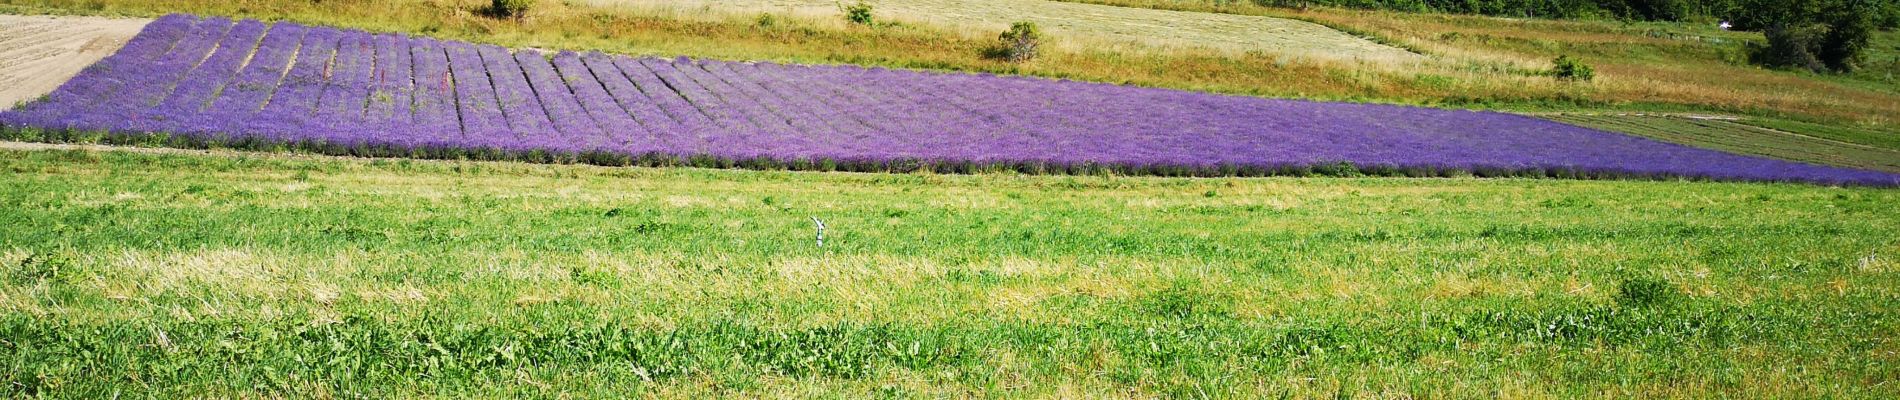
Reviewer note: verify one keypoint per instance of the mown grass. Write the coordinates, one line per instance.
(234, 274)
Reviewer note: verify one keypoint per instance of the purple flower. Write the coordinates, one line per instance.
(353, 92)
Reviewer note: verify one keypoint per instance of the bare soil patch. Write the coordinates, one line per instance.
(38, 53)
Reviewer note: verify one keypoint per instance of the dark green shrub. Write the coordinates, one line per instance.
(858, 13)
(1019, 43)
(1791, 46)
(1571, 69)
(509, 8)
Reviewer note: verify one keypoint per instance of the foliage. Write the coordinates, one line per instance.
(1814, 35)
(1572, 69)
(859, 13)
(1792, 45)
(510, 8)
(1020, 42)
(1744, 12)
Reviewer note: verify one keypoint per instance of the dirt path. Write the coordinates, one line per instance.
(38, 53)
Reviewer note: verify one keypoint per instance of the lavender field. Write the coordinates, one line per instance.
(200, 82)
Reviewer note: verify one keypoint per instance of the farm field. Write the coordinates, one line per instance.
(190, 81)
(37, 54)
(231, 274)
(1473, 62)
(759, 199)
(1744, 136)
(1086, 25)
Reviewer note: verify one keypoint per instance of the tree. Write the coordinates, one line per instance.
(1850, 27)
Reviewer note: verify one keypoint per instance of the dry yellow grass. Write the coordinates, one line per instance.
(1074, 26)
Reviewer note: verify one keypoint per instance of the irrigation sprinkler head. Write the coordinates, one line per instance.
(821, 230)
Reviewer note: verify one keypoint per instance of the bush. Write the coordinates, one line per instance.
(1791, 46)
(509, 8)
(858, 13)
(1020, 42)
(1814, 35)
(1572, 69)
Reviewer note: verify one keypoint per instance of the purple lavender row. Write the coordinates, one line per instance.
(691, 125)
(336, 91)
(526, 116)
(728, 134)
(204, 83)
(814, 135)
(483, 124)
(617, 126)
(843, 128)
(288, 113)
(390, 106)
(97, 83)
(662, 132)
(340, 109)
(239, 101)
(162, 75)
(437, 122)
(578, 131)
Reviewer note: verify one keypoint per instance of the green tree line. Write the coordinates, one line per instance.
(1745, 13)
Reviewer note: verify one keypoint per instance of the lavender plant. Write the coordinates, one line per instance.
(189, 81)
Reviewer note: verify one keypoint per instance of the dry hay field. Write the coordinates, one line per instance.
(37, 54)
(1079, 25)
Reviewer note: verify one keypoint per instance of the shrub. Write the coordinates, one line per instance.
(1791, 46)
(858, 13)
(1020, 42)
(1571, 69)
(1817, 36)
(509, 8)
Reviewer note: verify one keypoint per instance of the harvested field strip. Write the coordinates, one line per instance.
(1085, 25)
(310, 88)
(39, 53)
(1742, 137)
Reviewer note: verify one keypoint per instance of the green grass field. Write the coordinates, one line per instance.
(127, 274)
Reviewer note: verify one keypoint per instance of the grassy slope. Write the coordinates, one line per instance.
(128, 273)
